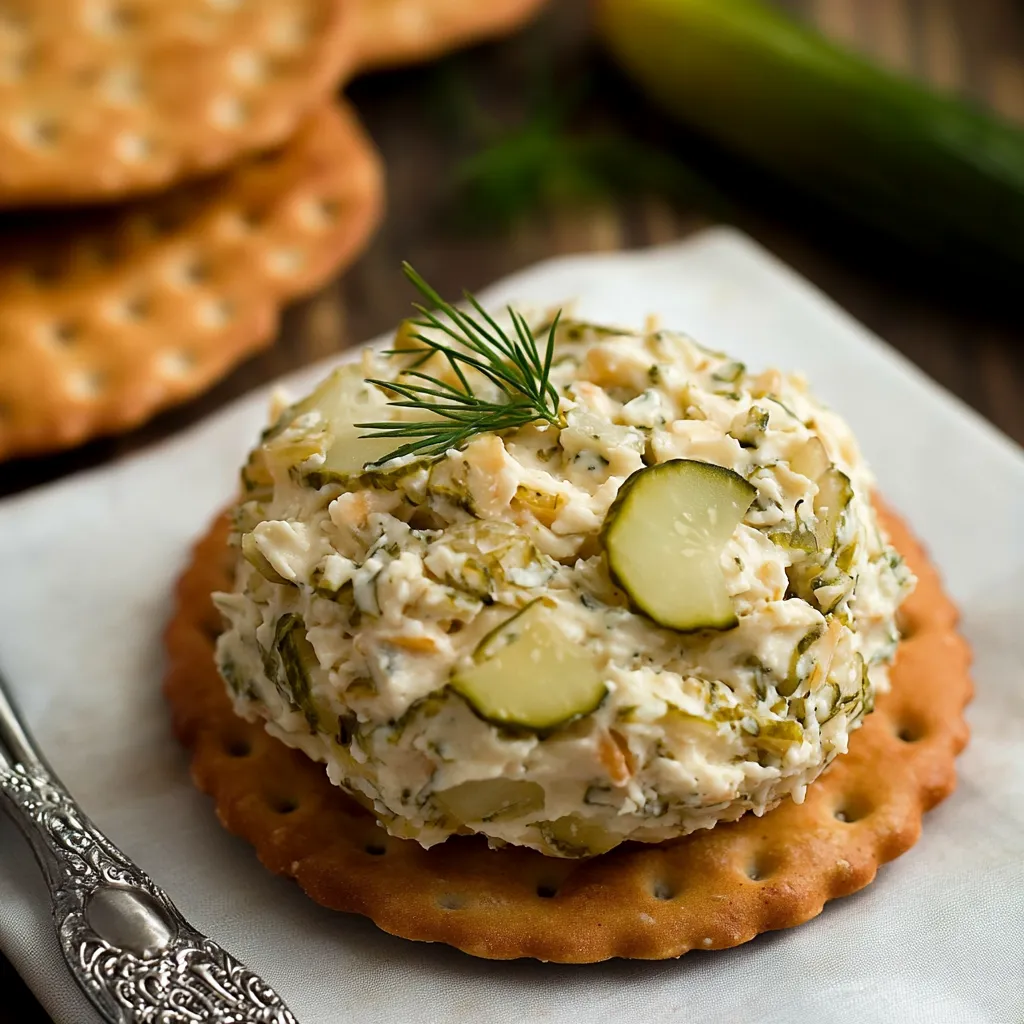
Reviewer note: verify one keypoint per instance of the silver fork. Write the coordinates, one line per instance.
(125, 942)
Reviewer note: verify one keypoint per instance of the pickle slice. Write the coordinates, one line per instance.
(664, 536)
(343, 398)
(528, 675)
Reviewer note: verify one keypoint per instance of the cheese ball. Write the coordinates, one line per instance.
(664, 607)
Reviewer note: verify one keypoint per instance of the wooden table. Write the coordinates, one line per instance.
(976, 46)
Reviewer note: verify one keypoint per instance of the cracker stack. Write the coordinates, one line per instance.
(213, 176)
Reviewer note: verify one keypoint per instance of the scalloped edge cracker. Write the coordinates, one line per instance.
(99, 101)
(710, 890)
(111, 316)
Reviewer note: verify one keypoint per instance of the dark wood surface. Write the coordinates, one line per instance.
(973, 347)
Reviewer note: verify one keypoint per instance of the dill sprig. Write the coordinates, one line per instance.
(511, 361)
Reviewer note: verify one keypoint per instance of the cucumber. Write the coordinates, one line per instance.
(664, 536)
(527, 674)
(937, 173)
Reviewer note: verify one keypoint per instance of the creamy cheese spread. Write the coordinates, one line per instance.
(363, 592)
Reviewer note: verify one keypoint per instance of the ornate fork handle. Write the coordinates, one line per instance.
(126, 943)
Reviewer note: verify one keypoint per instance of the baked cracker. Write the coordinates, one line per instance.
(393, 32)
(710, 890)
(107, 317)
(104, 100)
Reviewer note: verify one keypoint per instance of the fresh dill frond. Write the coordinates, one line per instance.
(471, 342)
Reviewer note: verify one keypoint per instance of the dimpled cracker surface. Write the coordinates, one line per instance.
(108, 317)
(709, 890)
(392, 32)
(104, 98)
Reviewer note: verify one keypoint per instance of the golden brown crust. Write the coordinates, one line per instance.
(710, 890)
(109, 317)
(104, 100)
(393, 32)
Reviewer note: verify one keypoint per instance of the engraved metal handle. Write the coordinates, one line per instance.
(125, 942)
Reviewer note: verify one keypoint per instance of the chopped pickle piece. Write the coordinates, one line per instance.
(811, 460)
(664, 536)
(800, 663)
(491, 799)
(298, 661)
(252, 554)
(574, 836)
(527, 674)
(544, 506)
(779, 736)
(834, 494)
(729, 373)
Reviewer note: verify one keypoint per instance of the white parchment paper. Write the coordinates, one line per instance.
(86, 569)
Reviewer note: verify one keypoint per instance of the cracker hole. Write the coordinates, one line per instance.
(237, 748)
(194, 271)
(266, 157)
(250, 220)
(547, 892)
(451, 901)
(179, 363)
(64, 333)
(88, 384)
(17, 67)
(229, 112)
(286, 262)
(123, 85)
(217, 313)
(292, 33)
(41, 132)
(375, 849)
(248, 66)
(910, 732)
(284, 805)
(852, 810)
(115, 19)
(135, 309)
(662, 890)
(133, 148)
(319, 214)
(761, 867)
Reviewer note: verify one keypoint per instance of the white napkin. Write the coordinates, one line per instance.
(86, 570)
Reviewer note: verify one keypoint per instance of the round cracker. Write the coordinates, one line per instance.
(710, 890)
(99, 100)
(394, 32)
(109, 317)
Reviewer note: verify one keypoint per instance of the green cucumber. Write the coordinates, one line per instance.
(527, 674)
(664, 536)
(934, 171)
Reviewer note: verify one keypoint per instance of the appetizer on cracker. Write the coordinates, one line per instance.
(562, 586)
(534, 591)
